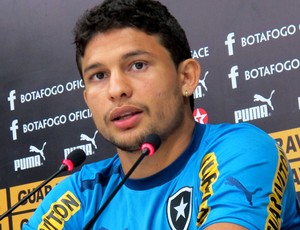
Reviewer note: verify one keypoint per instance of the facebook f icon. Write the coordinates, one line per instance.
(233, 75)
(13, 128)
(229, 42)
(11, 98)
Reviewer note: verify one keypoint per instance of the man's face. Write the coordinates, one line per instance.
(132, 87)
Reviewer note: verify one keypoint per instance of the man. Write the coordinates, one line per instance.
(139, 78)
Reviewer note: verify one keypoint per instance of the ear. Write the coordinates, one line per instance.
(84, 96)
(189, 71)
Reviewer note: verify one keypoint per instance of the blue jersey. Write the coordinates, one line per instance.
(228, 173)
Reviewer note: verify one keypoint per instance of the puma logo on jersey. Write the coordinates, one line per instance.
(234, 182)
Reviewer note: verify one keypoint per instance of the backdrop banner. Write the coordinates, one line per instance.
(248, 51)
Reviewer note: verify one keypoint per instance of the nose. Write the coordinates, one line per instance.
(119, 86)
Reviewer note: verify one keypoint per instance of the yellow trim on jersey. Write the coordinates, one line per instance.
(279, 184)
(60, 211)
(209, 174)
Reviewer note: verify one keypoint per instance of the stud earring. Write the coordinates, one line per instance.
(186, 93)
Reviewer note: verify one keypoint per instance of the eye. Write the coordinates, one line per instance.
(98, 76)
(139, 65)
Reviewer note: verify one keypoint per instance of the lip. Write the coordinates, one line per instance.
(125, 117)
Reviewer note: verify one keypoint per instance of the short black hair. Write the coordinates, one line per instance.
(148, 16)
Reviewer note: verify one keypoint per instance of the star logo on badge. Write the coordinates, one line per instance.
(179, 209)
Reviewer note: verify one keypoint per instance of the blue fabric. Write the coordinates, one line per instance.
(228, 173)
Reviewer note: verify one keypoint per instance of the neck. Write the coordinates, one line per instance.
(169, 150)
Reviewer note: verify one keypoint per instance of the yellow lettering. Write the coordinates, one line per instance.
(209, 174)
(60, 212)
(279, 183)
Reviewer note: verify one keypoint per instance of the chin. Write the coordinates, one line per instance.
(129, 142)
(128, 147)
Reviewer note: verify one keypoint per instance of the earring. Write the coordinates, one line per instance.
(186, 93)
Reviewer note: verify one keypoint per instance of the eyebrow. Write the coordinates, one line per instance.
(93, 66)
(135, 53)
(123, 58)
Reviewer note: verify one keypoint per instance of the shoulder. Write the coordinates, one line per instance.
(106, 166)
(77, 190)
(241, 143)
(95, 173)
(226, 128)
(240, 133)
(87, 177)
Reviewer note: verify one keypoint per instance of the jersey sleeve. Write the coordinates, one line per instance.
(61, 208)
(242, 179)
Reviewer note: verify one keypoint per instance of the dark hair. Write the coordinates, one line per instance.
(148, 16)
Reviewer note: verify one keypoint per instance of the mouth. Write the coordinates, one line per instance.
(125, 116)
(123, 113)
